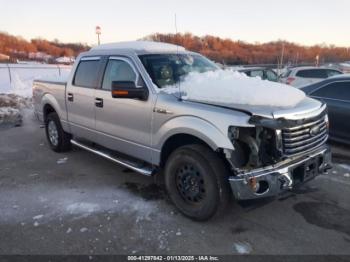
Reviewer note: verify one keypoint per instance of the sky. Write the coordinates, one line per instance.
(305, 22)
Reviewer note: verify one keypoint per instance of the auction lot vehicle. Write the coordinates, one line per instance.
(113, 105)
(302, 76)
(335, 91)
(262, 72)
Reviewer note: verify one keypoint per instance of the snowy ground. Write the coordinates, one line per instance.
(79, 203)
(18, 78)
(16, 89)
(12, 108)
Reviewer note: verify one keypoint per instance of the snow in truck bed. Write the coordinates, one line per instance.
(230, 87)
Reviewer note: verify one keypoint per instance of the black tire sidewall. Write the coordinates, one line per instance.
(209, 205)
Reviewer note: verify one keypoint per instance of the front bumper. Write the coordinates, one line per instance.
(273, 180)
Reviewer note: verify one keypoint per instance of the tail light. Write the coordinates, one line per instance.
(290, 80)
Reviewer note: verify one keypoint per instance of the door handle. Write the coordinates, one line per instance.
(99, 102)
(70, 97)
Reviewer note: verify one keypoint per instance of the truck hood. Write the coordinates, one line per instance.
(304, 108)
(234, 90)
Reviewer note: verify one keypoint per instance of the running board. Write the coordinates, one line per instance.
(148, 171)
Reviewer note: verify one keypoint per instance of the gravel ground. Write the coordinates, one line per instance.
(79, 203)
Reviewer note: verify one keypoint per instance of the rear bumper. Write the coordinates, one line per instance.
(273, 180)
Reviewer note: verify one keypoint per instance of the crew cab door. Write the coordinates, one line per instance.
(80, 98)
(123, 124)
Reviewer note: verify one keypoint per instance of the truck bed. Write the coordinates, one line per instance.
(53, 90)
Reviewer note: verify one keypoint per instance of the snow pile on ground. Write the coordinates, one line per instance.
(230, 87)
(15, 101)
(15, 95)
(10, 115)
(18, 79)
(11, 107)
(21, 87)
(82, 207)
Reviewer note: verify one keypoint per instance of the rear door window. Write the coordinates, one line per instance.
(271, 75)
(312, 73)
(255, 73)
(332, 72)
(336, 90)
(87, 73)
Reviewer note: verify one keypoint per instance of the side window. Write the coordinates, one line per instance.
(86, 73)
(256, 73)
(118, 70)
(337, 90)
(271, 76)
(333, 73)
(313, 73)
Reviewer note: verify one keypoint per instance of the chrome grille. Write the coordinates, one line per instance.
(305, 137)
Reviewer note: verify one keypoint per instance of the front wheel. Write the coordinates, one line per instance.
(58, 139)
(197, 181)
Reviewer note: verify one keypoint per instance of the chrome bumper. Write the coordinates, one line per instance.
(273, 180)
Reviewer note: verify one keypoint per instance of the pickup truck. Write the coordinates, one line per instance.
(208, 154)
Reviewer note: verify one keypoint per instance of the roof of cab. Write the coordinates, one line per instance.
(297, 68)
(139, 47)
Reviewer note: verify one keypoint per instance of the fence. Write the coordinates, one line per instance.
(18, 78)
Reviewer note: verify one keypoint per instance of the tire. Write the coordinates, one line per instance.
(58, 139)
(196, 180)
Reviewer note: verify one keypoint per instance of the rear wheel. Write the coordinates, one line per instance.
(58, 139)
(197, 181)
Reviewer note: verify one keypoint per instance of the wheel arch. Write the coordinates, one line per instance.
(47, 109)
(178, 140)
(189, 130)
(49, 102)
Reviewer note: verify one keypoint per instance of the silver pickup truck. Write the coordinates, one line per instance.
(208, 153)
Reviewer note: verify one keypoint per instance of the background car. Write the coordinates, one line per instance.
(263, 73)
(302, 76)
(335, 91)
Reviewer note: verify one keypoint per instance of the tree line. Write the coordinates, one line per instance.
(221, 50)
(232, 52)
(18, 47)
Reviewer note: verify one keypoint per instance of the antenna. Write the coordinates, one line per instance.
(175, 24)
(177, 53)
(282, 55)
(177, 45)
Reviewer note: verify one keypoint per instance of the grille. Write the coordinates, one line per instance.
(305, 137)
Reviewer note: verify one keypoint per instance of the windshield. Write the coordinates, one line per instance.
(169, 69)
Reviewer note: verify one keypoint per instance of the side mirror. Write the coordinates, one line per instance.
(128, 89)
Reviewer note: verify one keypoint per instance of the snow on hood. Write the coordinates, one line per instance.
(230, 87)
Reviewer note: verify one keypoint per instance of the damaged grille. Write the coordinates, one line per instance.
(305, 137)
